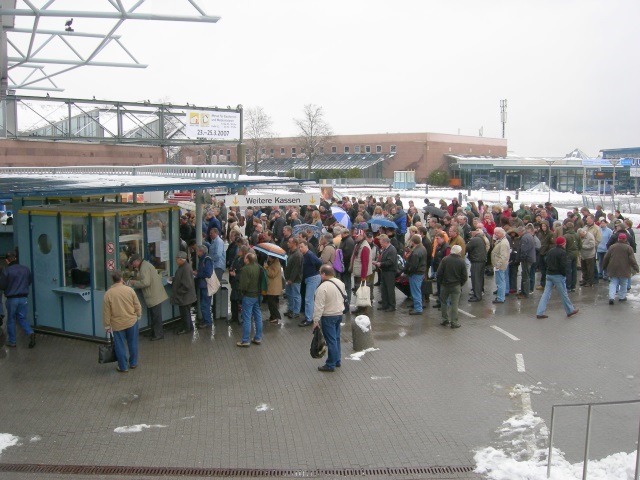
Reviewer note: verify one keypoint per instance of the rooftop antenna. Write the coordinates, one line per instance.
(503, 115)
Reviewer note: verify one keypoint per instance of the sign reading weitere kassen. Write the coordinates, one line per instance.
(213, 125)
(271, 200)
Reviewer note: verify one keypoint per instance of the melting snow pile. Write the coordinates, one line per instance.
(358, 355)
(263, 407)
(524, 456)
(7, 440)
(136, 428)
(363, 322)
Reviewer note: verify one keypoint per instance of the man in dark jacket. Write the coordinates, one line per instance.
(477, 254)
(620, 263)
(573, 247)
(311, 278)
(388, 266)
(347, 245)
(527, 257)
(293, 277)
(415, 269)
(278, 226)
(442, 250)
(556, 276)
(205, 270)
(15, 280)
(183, 292)
(250, 290)
(453, 274)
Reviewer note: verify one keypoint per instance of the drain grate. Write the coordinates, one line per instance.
(231, 472)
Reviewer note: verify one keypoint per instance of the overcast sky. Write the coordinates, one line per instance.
(569, 69)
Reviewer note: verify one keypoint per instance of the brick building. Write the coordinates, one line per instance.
(422, 152)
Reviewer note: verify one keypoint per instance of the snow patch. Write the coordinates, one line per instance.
(358, 355)
(7, 440)
(525, 451)
(35, 438)
(379, 378)
(136, 428)
(263, 407)
(363, 322)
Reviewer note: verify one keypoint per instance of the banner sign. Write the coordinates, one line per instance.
(212, 125)
(271, 200)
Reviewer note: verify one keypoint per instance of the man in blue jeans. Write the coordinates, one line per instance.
(310, 265)
(205, 270)
(500, 262)
(327, 312)
(121, 310)
(250, 290)
(15, 280)
(556, 276)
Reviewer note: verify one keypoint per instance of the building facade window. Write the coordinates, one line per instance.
(346, 149)
(393, 149)
(356, 149)
(367, 149)
(221, 152)
(271, 152)
(264, 151)
(281, 150)
(321, 150)
(334, 149)
(293, 151)
(378, 148)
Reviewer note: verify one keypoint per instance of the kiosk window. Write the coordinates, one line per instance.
(157, 240)
(77, 260)
(130, 239)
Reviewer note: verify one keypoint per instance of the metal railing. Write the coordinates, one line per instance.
(214, 172)
(588, 435)
(356, 181)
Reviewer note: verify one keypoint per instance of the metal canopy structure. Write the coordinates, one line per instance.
(105, 180)
(27, 67)
(102, 121)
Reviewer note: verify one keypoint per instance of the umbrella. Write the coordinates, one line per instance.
(435, 211)
(341, 216)
(383, 222)
(272, 250)
(317, 231)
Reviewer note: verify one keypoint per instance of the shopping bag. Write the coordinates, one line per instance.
(318, 344)
(363, 296)
(213, 285)
(107, 353)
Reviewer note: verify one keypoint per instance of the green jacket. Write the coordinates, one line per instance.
(250, 280)
(574, 244)
(150, 282)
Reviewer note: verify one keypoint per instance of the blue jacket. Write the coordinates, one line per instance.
(401, 221)
(15, 280)
(213, 223)
(310, 265)
(205, 270)
(216, 252)
(606, 235)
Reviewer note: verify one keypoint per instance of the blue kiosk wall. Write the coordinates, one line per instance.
(71, 250)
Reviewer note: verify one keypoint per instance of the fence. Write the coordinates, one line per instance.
(624, 204)
(356, 181)
(588, 436)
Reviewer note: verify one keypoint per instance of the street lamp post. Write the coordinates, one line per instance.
(549, 162)
(614, 162)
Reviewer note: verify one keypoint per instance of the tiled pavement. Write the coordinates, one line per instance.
(428, 396)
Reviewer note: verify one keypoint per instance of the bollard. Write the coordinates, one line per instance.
(517, 193)
(426, 188)
(361, 333)
(459, 199)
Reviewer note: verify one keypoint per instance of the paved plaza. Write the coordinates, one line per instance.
(429, 396)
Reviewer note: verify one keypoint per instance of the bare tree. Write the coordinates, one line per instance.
(313, 131)
(257, 132)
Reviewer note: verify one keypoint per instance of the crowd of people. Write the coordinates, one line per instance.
(432, 250)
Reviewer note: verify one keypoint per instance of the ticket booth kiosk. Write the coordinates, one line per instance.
(72, 249)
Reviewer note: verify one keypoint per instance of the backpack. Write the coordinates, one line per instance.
(338, 261)
(400, 261)
(263, 281)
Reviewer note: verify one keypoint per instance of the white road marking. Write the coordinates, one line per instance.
(512, 337)
(467, 314)
(526, 403)
(520, 362)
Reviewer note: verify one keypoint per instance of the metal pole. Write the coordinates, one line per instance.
(550, 182)
(586, 445)
(553, 410)
(637, 475)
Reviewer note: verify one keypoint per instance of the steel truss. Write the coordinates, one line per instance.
(103, 121)
(32, 67)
